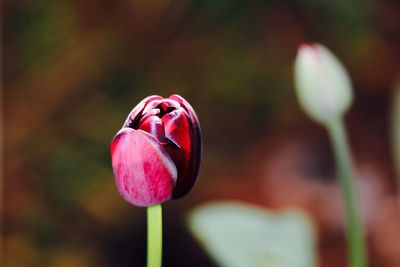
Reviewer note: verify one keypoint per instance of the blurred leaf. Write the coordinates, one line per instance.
(241, 235)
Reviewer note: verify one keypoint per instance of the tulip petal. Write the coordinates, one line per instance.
(178, 131)
(153, 125)
(168, 104)
(145, 174)
(137, 111)
(177, 128)
(183, 187)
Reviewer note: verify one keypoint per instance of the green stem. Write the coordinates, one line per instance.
(355, 239)
(154, 236)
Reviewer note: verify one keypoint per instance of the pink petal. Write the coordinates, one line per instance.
(145, 174)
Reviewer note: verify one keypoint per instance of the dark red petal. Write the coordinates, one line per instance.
(184, 185)
(177, 128)
(178, 131)
(168, 104)
(144, 173)
(152, 105)
(137, 111)
(153, 125)
(190, 111)
(163, 104)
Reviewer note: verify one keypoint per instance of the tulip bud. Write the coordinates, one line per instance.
(156, 154)
(323, 86)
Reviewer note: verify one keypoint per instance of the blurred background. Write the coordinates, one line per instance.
(74, 69)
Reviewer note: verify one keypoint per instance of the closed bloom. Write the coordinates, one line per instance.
(322, 84)
(156, 155)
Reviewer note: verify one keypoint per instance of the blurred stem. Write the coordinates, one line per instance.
(154, 236)
(355, 239)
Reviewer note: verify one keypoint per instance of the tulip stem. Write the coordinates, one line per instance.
(355, 239)
(154, 236)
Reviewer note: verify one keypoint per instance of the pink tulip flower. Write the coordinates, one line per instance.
(156, 155)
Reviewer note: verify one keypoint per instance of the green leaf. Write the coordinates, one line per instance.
(235, 234)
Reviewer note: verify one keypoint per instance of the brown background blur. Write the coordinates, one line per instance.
(72, 70)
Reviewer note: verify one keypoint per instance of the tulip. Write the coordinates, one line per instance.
(324, 92)
(156, 155)
(323, 86)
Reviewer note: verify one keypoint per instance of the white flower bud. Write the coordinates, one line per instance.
(322, 84)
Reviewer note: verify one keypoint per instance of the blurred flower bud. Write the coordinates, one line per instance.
(322, 84)
(156, 154)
